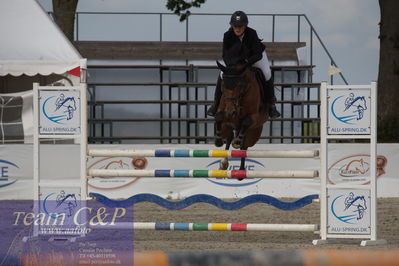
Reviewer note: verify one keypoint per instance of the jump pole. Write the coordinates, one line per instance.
(203, 173)
(162, 226)
(204, 153)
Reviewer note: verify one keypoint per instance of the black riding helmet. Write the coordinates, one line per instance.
(239, 18)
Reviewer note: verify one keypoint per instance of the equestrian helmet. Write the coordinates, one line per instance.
(239, 18)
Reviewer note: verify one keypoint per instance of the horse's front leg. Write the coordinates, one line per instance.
(229, 135)
(245, 124)
(224, 163)
(218, 129)
(242, 165)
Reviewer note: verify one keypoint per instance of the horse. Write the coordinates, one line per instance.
(241, 113)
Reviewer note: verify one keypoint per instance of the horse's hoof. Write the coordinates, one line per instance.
(218, 142)
(236, 144)
(240, 179)
(223, 165)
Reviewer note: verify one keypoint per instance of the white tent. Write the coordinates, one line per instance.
(31, 43)
(32, 49)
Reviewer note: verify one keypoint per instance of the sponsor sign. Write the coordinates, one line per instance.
(234, 164)
(348, 112)
(355, 169)
(59, 112)
(348, 211)
(137, 163)
(62, 207)
(7, 169)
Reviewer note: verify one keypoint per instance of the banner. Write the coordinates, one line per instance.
(347, 162)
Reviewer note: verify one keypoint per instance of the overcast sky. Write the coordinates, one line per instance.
(349, 28)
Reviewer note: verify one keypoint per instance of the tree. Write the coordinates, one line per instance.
(64, 16)
(388, 74)
(64, 12)
(178, 6)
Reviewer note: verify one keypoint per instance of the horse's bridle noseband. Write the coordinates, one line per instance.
(231, 98)
(242, 88)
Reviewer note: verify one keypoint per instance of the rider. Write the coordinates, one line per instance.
(241, 44)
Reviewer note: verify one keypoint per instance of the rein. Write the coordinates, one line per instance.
(243, 88)
(232, 98)
(242, 91)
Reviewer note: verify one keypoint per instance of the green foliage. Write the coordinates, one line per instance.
(388, 129)
(311, 129)
(181, 7)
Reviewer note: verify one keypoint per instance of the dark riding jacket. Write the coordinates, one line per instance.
(248, 51)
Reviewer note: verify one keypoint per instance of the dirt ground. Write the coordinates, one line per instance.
(388, 228)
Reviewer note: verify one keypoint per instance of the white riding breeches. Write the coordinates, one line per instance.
(262, 64)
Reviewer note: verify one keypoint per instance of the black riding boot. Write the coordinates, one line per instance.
(218, 94)
(270, 99)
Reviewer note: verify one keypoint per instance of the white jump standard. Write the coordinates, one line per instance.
(358, 101)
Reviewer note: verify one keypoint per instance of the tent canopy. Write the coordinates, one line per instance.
(31, 43)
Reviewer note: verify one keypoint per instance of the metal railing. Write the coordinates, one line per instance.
(183, 119)
(313, 35)
(304, 31)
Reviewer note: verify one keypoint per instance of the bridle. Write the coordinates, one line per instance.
(243, 89)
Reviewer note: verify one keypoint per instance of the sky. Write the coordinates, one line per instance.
(348, 28)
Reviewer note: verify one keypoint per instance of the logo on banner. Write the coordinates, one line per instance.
(234, 164)
(59, 112)
(355, 168)
(62, 213)
(6, 168)
(137, 163)
(61, 203)
(349, 208)
(59, 109)
(349, 112)
(349, 211)
(349, 109)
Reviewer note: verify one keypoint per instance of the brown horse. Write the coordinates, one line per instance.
(241, 112)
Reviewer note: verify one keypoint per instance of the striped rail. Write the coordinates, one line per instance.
(203, 173)
(205, 153)
(213, 227)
